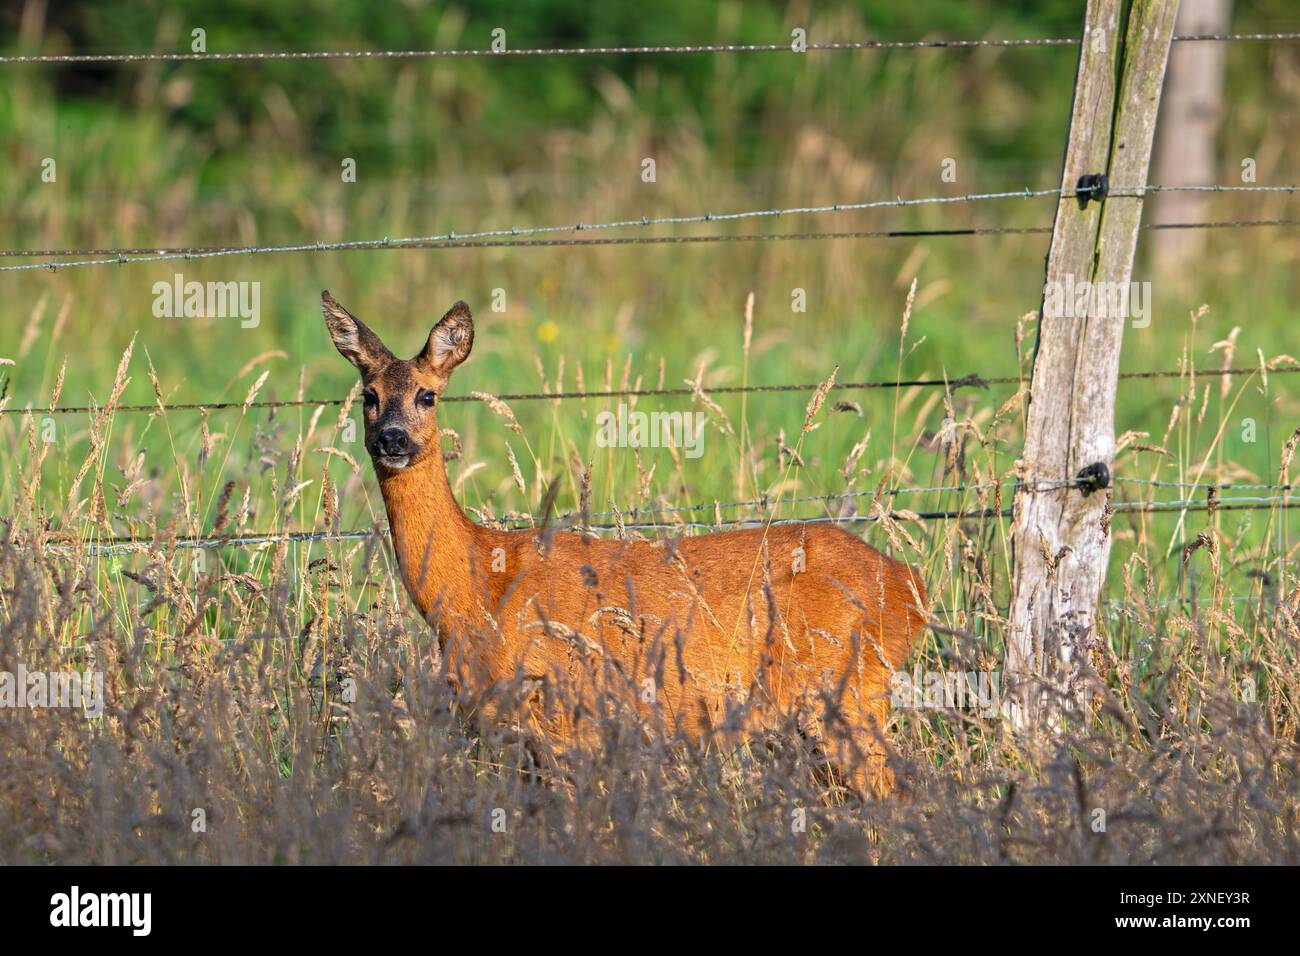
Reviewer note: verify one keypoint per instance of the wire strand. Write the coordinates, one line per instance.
(121, 544)
(847, 45)
(517, 236)
(968, 381)
(122, 258)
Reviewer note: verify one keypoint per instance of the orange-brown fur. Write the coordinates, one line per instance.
(715, 634)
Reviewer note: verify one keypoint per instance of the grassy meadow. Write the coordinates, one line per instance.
(224, 667)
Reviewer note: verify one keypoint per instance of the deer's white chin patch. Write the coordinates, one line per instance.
(396, 463)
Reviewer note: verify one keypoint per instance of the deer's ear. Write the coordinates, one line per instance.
(355, 342)
(450, 341)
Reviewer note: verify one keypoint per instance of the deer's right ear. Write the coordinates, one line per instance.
(355, 342)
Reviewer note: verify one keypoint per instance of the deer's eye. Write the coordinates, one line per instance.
(427, 399)
(370, 399)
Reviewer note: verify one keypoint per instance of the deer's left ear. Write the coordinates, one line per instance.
(450, 341)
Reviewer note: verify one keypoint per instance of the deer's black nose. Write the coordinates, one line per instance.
(393, 442)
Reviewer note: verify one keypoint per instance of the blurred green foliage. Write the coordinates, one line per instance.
(485, 109)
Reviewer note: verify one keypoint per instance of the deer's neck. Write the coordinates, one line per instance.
(435, 543)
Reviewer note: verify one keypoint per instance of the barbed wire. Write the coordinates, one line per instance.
(951, 384)
(833, 498)
(124, 257)
(1207, 485)
(845, 45)
(631, 516)
(400, 244)
(127, 544)
(516, 236)
(633, 241)
(643, 221)
(1117, 606)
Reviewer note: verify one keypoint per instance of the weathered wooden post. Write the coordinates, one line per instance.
(1061, 531)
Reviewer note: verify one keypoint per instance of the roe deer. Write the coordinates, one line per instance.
(716, 634)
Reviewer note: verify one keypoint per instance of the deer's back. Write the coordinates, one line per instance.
(780, 612)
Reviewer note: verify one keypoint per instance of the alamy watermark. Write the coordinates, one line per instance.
(179, 299)
(632, 429)
(1103, 300)
(39, 690)
(980, 691)
(133, 911)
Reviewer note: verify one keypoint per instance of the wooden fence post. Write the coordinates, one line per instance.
(1061, 530)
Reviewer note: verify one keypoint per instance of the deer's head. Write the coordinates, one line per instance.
(400, 397)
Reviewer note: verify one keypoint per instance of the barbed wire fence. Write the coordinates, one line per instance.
(648, 518)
